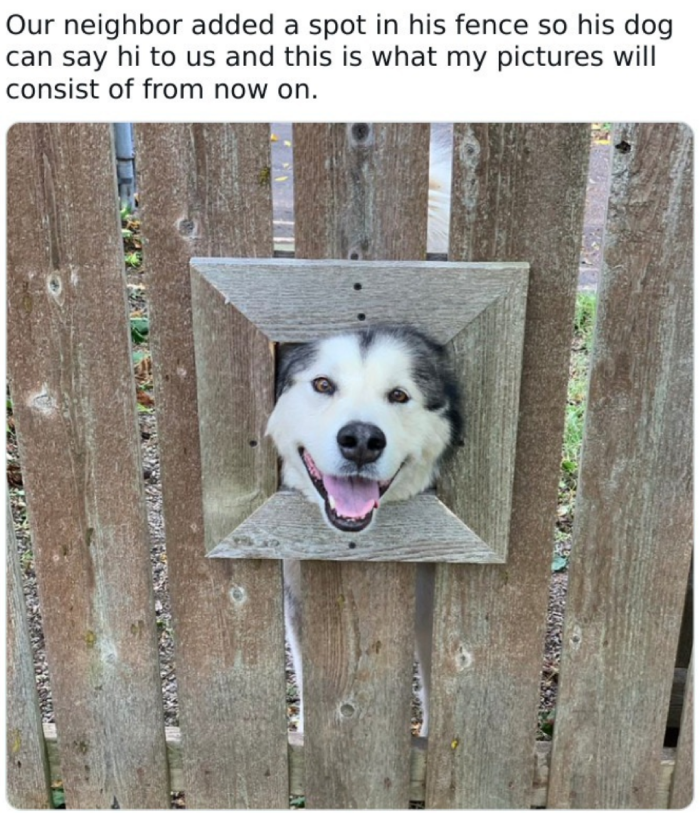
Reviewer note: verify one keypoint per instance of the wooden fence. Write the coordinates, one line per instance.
(518, 195)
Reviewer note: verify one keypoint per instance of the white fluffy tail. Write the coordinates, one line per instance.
(439, 189)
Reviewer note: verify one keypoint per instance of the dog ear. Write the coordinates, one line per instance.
(435, 375)
(291, 360)
(454, 414)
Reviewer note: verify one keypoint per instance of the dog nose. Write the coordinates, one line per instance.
(361, 442)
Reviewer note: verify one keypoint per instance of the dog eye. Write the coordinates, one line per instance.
(323, 385)
(398, 396)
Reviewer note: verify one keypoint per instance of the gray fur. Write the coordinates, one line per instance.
(293, 359)
(431, 370)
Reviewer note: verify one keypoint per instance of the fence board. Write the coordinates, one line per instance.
(300, 300)
(352, 201)
(26, 759)
(290, 526)
(477, 482)
(75, 410)
(632, 537)
(683, 779)
(518, 195)
(297, 767)
(235, 396)
(205, 192)
(367, 202)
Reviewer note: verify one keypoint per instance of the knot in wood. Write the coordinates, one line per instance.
(237, 594)
(347, 709)
(360, 132)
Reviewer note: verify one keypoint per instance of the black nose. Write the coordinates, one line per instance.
(361, 442)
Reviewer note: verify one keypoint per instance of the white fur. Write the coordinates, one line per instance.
(440, 189)
(416, 438)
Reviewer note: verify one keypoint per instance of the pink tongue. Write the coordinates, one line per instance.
(354, 497)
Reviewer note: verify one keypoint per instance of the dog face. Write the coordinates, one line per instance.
(363, 417)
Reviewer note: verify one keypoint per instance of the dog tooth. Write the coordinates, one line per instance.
(331, 501)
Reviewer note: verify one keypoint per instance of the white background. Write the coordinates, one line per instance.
(666, 92)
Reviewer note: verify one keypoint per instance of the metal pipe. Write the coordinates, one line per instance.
(126, 175)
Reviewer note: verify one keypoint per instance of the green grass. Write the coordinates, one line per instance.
(584, 321)
(131, 235)
(133, 259)
(139, 329)
(581, 346)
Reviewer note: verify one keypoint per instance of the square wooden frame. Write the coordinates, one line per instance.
(242, 309)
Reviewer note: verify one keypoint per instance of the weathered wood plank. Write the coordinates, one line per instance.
(633, 534)
(288, 526)
(202, 194)
(518, 194)
(366, 667)
(320, 298)
(235, 396)
(297, 767)
(361, 193)
(477, 481)
(479, 310)
(75, 411)
(542, 776)
(361, 200)
(683, 773)
(26, 762)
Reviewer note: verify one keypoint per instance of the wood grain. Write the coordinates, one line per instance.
(518, 195)
(478, 310)
(366, 669)
(27, 766)
(235, 396)
(297, 767)
(477, 481)
(303, 300)
(368, 197)
(75, 410)
(288, 526)
(359, 198)
(204, 193)
(633, 532)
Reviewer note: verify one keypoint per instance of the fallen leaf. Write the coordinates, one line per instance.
(143, 370)
(559, 563)
(14, 475)
(144, 398)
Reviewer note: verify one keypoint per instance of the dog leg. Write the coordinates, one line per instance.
(292, 625)
(425, 591)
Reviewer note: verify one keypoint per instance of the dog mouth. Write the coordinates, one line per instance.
(349, 501)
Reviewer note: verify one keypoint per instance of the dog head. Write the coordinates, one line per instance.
(363, 417)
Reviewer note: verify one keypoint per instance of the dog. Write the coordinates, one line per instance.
(361, 419)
